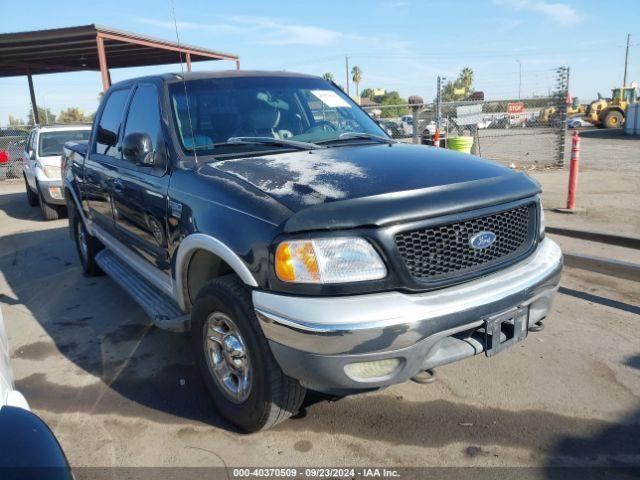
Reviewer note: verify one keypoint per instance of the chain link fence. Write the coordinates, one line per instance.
(12, 144)
(524, 133)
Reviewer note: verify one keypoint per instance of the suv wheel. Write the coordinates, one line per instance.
(32, 198)
(88, 247)
(247, 386)
(49, 212)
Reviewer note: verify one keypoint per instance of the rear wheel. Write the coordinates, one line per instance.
(88, 247)
(613, 119)
(32, 198)
(245, 382)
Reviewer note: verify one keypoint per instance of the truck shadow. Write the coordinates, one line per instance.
(15, 206)
(134, 369)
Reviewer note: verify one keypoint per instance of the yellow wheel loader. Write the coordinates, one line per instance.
(605, 113)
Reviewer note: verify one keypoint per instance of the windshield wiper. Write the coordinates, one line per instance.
(355, 135)
(271, 141)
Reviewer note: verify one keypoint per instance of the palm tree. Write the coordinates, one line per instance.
(356, 75)
(466, 78)
(328, 76)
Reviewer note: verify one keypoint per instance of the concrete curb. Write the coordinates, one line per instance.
(615, 268)
(618, 240)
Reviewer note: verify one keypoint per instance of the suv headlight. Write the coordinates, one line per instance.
(328, 260)
(51, 172)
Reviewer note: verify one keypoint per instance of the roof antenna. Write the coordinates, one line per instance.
(184, 84)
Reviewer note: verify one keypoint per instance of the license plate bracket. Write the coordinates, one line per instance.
(505, 330)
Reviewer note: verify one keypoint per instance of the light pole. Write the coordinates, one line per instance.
(519, 79)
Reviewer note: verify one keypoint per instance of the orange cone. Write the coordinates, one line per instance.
(436, 138)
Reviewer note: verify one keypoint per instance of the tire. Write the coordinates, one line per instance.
(92, 244)
(49, 212)
(272, 396)
(613, 119)
(32, 198)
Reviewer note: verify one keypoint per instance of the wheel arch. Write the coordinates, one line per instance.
(214, 258)
(70, 193)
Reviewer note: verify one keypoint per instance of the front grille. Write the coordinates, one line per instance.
(442, 252)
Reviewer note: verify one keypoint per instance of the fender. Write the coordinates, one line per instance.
(87, 222)
(200, 241)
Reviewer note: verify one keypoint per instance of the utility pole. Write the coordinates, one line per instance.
(519, 79)
(346, 62)
(626, 60)
(438, 100)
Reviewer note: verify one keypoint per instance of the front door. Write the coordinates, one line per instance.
(140, 190)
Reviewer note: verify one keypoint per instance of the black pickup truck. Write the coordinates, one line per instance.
(303, 248)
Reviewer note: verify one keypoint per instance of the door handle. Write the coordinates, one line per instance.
(118, 186)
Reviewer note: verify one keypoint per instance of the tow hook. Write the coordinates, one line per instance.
(425, 376)
(537, 327)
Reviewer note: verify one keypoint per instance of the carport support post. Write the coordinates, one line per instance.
(188, 56)
(34, 106)
(102, 60)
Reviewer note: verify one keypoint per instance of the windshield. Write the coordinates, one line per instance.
(285, 108)
(51, 142)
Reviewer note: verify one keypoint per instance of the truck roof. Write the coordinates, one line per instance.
(177, 76)
(63, 126)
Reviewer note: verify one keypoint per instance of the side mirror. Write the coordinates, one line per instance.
(30, 154)
(138, 149)
(107, 137)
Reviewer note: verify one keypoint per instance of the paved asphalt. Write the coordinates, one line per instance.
(118, 392)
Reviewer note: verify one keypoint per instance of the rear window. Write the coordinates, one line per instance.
(51, 143)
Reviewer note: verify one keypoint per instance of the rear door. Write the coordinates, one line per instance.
(103, 157)
(140, 191)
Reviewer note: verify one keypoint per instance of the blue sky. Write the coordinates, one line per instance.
(399, 44)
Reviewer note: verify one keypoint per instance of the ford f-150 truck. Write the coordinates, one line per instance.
(302, 247)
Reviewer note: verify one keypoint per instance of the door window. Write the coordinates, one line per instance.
(144, 116)
(109, 125)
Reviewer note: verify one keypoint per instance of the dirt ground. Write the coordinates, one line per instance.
(118, 392)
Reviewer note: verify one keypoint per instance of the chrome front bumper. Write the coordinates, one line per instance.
(337, 329)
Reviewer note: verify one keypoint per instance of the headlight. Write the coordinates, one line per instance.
(51, 172)
(328, 260)
(543, 222)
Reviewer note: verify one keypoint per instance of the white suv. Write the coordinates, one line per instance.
(41, 165)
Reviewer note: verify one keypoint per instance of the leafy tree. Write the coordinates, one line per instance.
(466, 78)
(45, 116)
(460, 88)
(72, 115)
(328, 76)
(368, 93)
(356, 76)
(392, 98)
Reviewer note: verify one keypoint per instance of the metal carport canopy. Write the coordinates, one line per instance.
(92, 47)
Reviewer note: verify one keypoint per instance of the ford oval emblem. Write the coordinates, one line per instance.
(482, 240)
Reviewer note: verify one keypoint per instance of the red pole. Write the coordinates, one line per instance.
(573, 171)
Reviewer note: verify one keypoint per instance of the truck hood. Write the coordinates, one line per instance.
(377, 184)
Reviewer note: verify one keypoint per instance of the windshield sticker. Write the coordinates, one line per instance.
(330, 98)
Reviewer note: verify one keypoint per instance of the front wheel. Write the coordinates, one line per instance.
(32, 198)
(49, 212)
(613, 119)
(245, 382)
